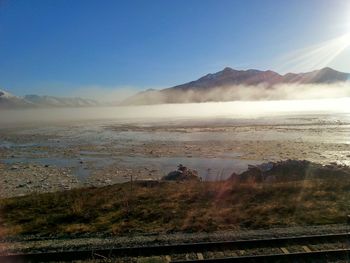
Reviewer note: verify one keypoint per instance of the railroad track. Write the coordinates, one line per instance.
(173, 253)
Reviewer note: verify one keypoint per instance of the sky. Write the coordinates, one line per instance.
(85, 48)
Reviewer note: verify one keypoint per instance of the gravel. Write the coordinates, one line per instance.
(29, 244)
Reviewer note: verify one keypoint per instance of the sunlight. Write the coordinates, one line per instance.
(316, 56)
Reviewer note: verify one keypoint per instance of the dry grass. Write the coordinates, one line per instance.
(173, 206)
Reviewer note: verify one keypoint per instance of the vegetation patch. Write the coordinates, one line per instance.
(282, 195)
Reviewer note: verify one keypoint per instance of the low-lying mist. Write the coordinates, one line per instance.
(168, 112)
(284, 92)
(242, 93)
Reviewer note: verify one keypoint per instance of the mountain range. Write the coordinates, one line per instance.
(9, 101)
(226, 85)
(230, 84)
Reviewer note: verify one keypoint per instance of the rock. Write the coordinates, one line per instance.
(291, 170)
(182, 174)
(14, 167)
(21, 185)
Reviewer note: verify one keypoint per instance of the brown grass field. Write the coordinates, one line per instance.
(190, 206)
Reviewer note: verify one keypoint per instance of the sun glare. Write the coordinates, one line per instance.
(316, 56)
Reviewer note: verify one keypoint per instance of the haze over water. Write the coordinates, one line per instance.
(234, 110)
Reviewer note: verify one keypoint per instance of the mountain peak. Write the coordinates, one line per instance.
(328, 69)
(228, 69)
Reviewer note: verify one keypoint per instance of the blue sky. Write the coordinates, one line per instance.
(67, 47)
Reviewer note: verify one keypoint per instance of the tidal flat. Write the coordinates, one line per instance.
(47, 156)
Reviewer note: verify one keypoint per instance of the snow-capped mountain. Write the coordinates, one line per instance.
(223, 85)
(50, 101)
(8, 100)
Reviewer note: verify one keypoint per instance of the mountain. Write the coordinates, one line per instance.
(9, 101)
(226, 85)
(50, 101)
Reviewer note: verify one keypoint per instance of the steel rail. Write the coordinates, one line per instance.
(171, 249)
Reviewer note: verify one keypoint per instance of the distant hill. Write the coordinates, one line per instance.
(9, 101)
(50, 101)
(223, 86)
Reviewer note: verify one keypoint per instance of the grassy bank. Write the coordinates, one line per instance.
(149, 207)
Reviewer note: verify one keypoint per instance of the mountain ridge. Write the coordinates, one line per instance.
(226, 80)
(9, 101)
(225, 85)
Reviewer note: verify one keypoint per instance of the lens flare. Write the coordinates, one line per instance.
(316, 56)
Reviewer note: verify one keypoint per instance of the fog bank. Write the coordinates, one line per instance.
(167, 112)
(241, 93)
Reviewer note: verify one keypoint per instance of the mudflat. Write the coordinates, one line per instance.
(51, 157)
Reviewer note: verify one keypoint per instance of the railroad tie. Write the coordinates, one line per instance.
(200, 256)
(306, 249)
(220, 254)
(284, 250)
